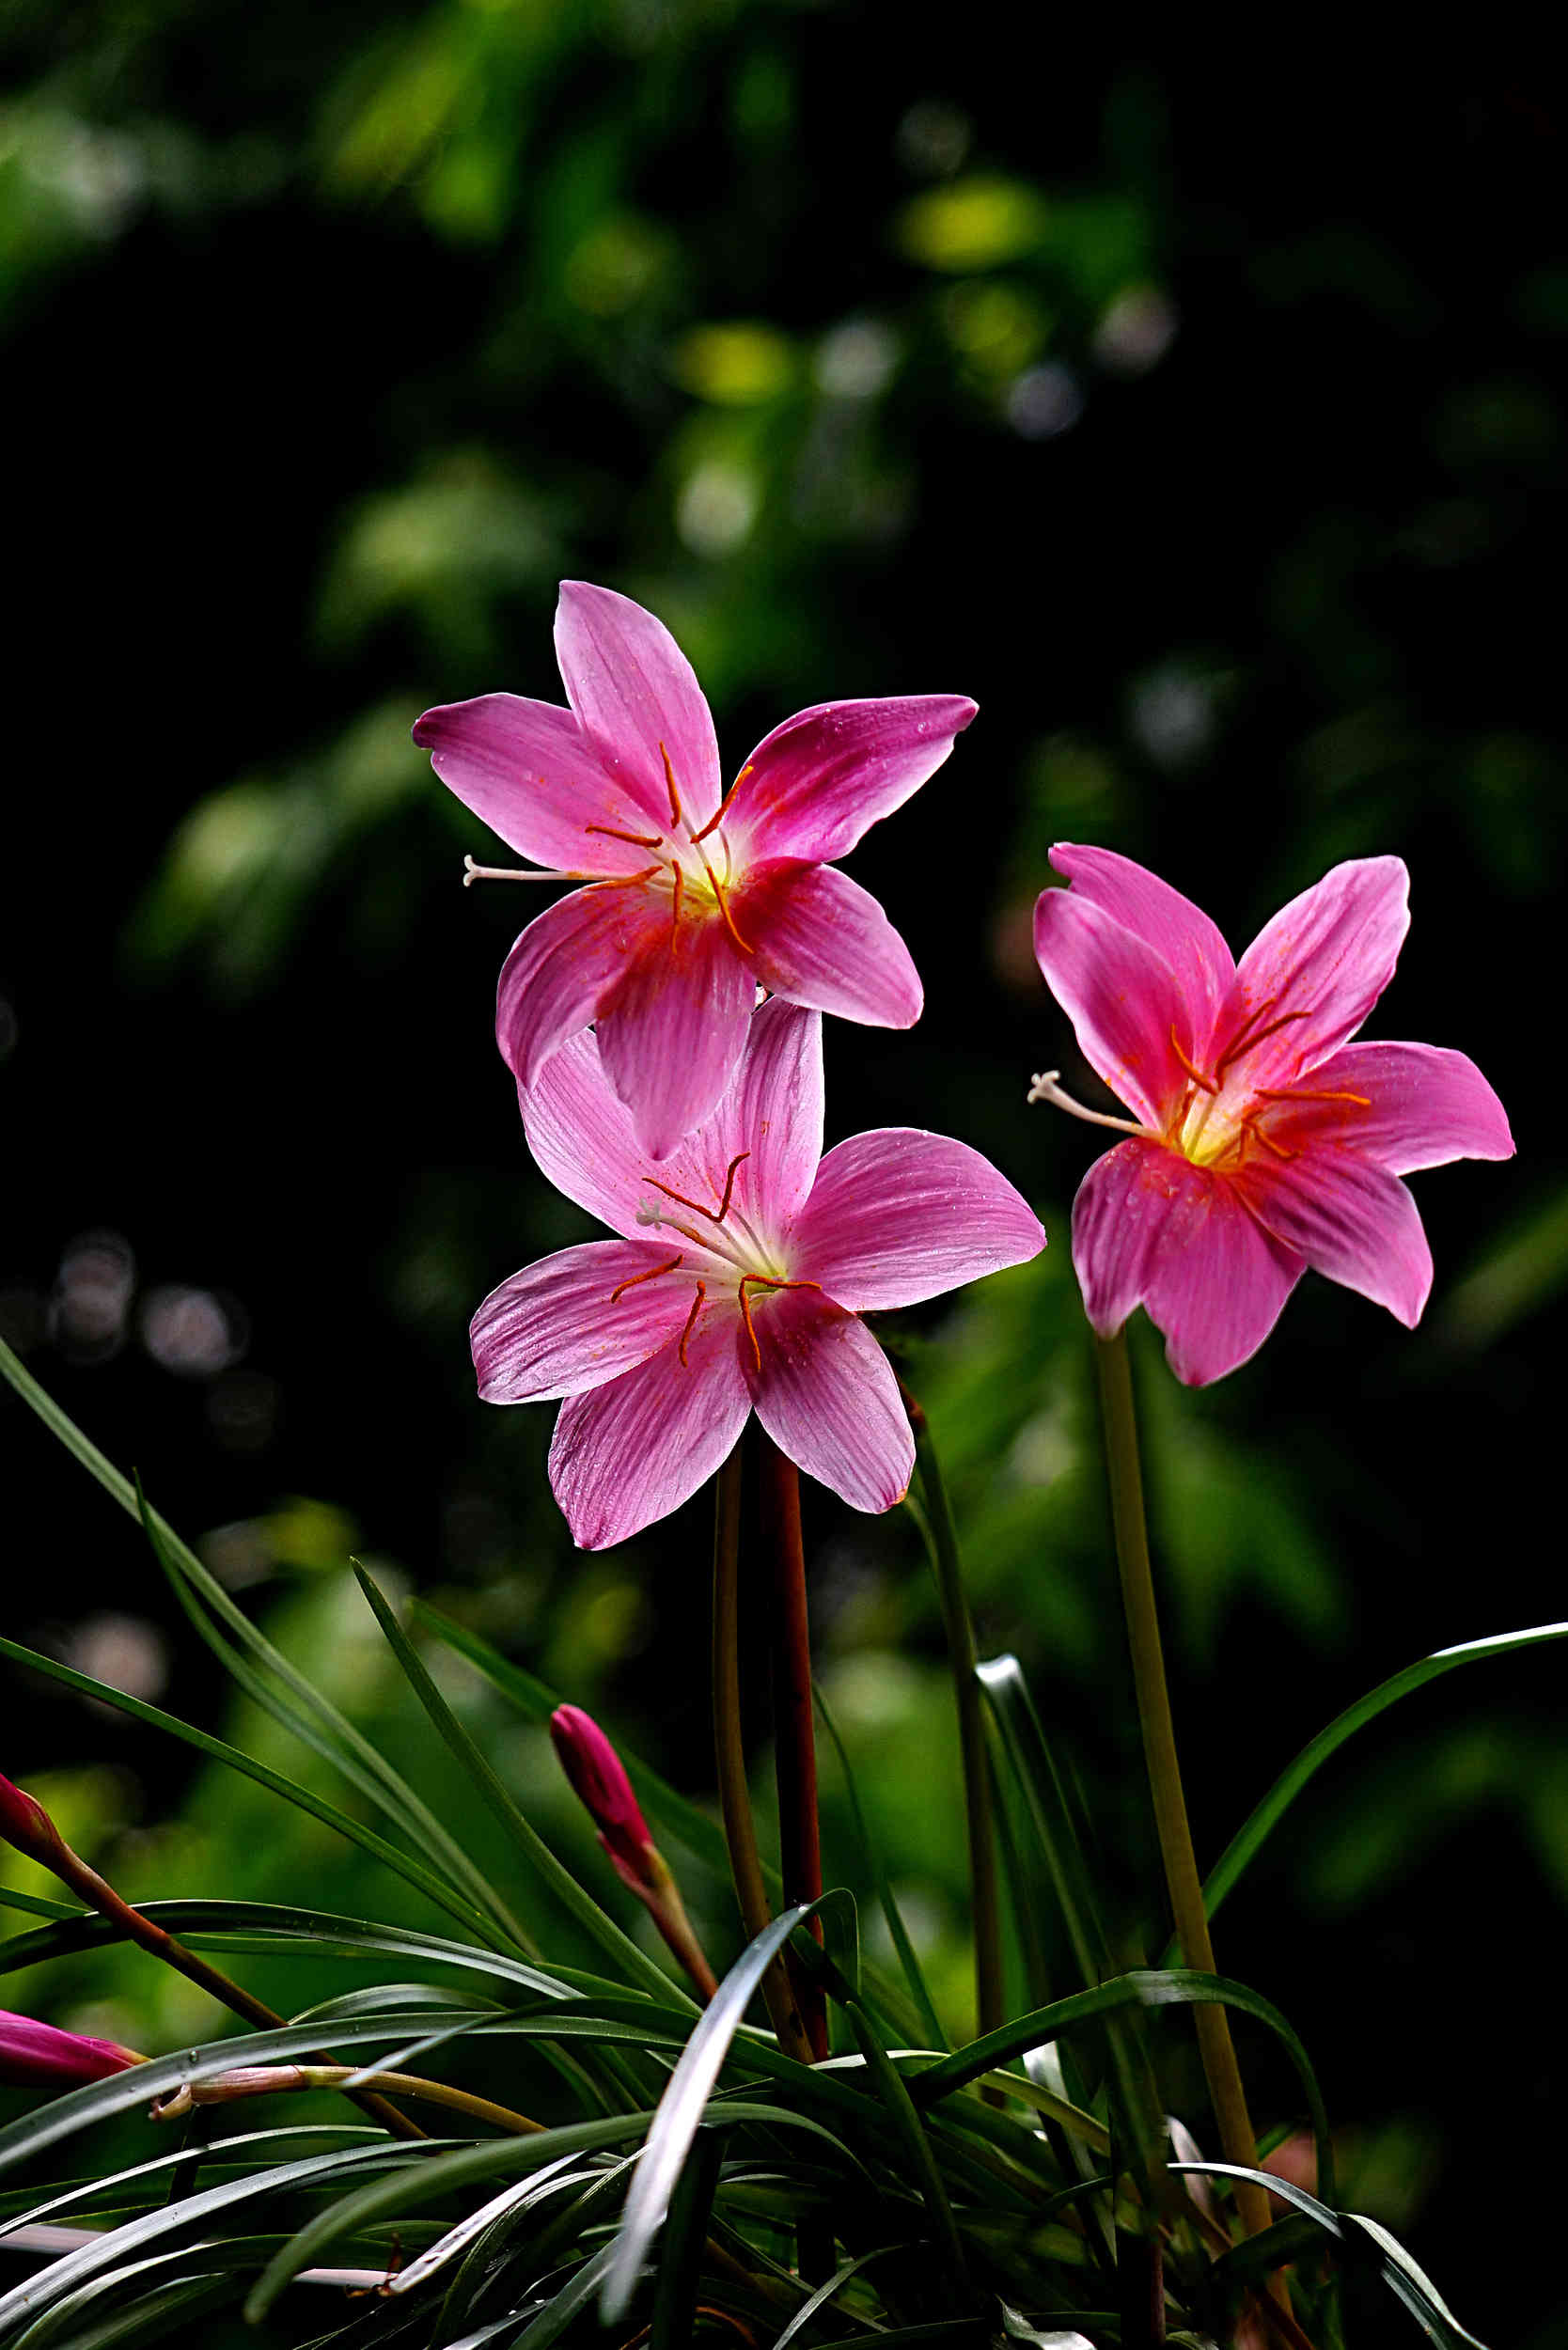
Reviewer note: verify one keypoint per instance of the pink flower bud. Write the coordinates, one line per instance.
(37, 2052)
(599, 1780)
(25, 1824)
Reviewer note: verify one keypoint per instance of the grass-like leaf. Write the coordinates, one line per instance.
(402, 1864)
(1142, 1987)
(573, 1897)
(681, 2107)
(1266, 1816)
(925, 2018)
(1404, 2279)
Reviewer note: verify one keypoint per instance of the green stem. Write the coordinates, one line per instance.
(794, 1719)
(985, 1896)
(1185, 1885)
(740, 1832)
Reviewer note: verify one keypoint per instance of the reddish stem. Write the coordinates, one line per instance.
(794, 1729)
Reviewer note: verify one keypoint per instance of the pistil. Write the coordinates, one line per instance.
(1047, 1088)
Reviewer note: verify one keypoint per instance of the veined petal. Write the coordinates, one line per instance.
(822, 940)
(1150, 1229)
(1120, 996)
(557, 1328)
(672, 1031)
(813, 787)
(528, 770)
(827, 1397)
(1180, 932)
(1408, 1107)
(1349, 1219)
(564, 966)
(1316, 970)
(899, 1215)
(633, 689)
(632, 1451)
(584, 1140)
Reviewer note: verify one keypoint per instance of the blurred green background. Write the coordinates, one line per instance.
(1208, 426)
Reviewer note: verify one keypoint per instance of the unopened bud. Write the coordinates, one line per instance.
(32, 2052)
(599, 1779)
(25, 1824)
(600, 1782)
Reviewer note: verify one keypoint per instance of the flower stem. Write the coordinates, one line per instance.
(1183, 1882)
(984, 1899)
(794, 1729)
(84, 1880)
(740, 1831)
(263, 2080)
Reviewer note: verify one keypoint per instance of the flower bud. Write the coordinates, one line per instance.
(25, 1824)
(599, 1780)
(32, 2052)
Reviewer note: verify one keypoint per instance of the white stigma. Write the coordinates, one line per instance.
(472, 872)
(650, 1213)
(1047, 1088)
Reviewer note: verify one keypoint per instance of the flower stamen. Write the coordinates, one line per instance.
(1243, 1043)
(1308, 1093)
(717, 888)
(1210, 1085)
(1046, 1088)
(1250, 1125)
(691, 1322)
(674, 795)
(637, 839)
(713, 1216)
(651, 1274)
(675, 911)
(763, 1281)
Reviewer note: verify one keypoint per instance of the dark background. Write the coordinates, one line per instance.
(1207, 425)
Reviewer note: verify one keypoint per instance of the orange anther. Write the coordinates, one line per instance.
(713, 1216)
(1308, 1093)
(1267, 1140)
(651, 1274)
(763, 1281)
(1197, 1075)
(712, 825)
(724, 908)
(1243, 1043)
(624, 881)
(637, 839)
(670, 779)
(691, 1322)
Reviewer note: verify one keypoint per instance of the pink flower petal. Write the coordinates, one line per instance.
(558, 1328)
(633, 689)
(813, 787)
(827, 1397)
(1349, 1219)
(565, 964)
(1317, 969)
(584, 1140)
(671, 1033)
(1180, 932)
(1120, 994)
(528, 769)
(583, 1137)
(634, 1451)
(1425, 1106)
(1151, 1228)
(900, 1215)
(822, 940)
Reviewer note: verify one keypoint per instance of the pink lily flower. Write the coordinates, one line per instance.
(693, 898)
(737, 1283)
(32, 2052)
(1264, 1140)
